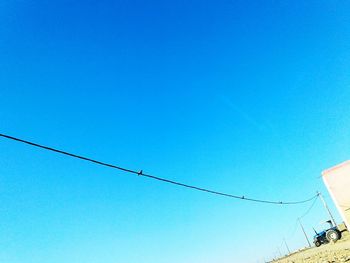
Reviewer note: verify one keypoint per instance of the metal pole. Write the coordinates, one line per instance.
(286, 245)
(302, 228)
(326, 206)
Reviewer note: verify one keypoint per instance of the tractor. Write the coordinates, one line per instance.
(327, 235)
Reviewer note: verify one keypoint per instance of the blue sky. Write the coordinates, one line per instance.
(250, 98)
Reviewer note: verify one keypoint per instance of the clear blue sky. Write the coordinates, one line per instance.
(250, 98)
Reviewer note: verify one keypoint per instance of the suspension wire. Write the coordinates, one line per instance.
(312, 205)
(141, 173)
(300, 217)
(294, 229)
(306, 213)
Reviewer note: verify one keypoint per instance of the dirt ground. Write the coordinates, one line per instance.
(329, 253)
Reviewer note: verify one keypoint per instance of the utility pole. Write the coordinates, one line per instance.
(302, 228)
(279, 251)
(326, 206)
(286, 245)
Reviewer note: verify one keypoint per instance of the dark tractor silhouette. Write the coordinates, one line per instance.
(327, 235)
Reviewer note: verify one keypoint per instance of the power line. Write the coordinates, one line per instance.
(140, 173)
(305, 214)
(294, 229)
(311, 206)
(300, 217)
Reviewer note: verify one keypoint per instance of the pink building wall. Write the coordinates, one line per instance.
(337, 181)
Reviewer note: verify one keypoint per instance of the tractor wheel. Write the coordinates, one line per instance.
(317, 243)
(332, 235)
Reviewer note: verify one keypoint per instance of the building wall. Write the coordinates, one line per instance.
(337, 181)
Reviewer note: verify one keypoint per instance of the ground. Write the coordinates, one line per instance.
(329, 253)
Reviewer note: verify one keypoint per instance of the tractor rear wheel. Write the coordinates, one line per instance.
(332, 235)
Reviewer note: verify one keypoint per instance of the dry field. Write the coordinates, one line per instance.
(329, 253)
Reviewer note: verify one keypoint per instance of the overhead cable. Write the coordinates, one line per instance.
(141, 173)
(311, 206)
(305, 213)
